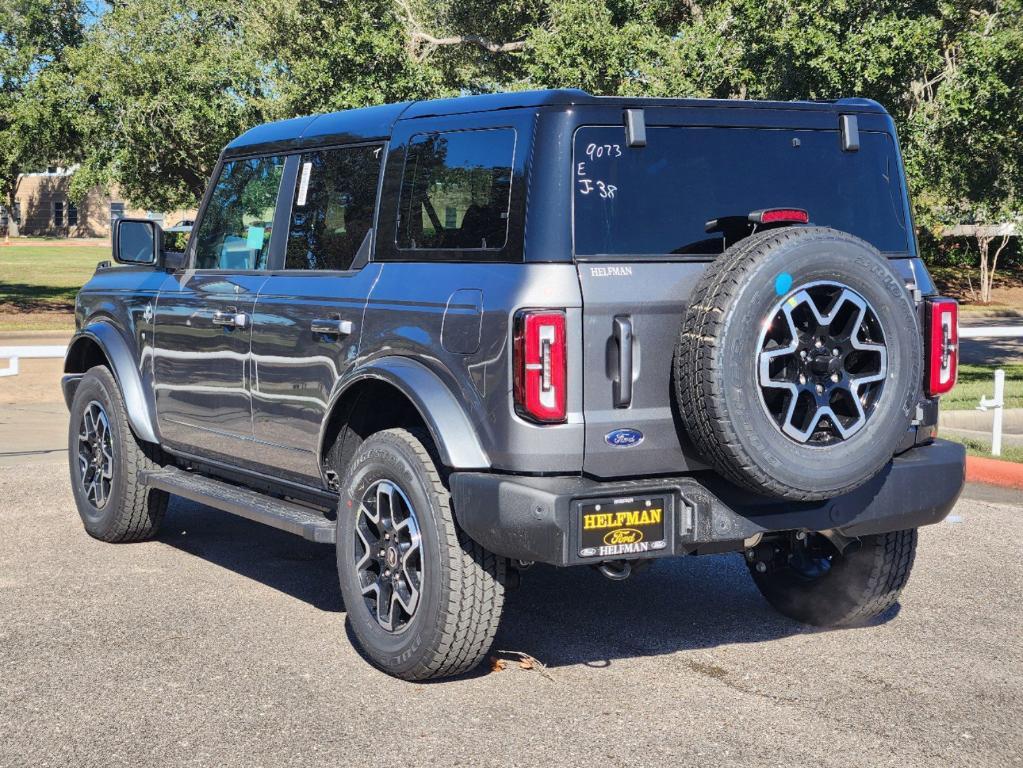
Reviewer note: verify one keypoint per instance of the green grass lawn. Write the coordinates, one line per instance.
(977, 380)
(38, 283)
(982, 448)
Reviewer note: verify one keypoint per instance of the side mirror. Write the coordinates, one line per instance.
(137, 241)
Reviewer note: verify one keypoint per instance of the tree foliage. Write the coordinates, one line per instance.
(325, 55)
(161, 85)
(36, 128)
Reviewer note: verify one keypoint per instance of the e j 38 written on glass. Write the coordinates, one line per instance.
(586, 184)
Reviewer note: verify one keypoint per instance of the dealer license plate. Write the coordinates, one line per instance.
(619, 527)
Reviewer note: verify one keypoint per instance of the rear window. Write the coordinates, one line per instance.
(657, 200)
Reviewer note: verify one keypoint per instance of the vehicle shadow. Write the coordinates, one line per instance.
(279, 560)
(561, 616)
(577, 616)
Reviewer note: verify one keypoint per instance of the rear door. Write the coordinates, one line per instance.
(308, 317)
(641, 243)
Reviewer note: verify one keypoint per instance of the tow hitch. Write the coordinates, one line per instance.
(616, 570)
(620, 570)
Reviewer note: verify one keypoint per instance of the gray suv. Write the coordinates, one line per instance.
(455, 338)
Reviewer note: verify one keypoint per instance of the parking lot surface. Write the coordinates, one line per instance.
(224, 643)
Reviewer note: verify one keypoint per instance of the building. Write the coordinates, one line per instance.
(43, 208)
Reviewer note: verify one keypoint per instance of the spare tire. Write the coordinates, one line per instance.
(799, 364)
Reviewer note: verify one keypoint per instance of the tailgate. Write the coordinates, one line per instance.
(632, 433)
(642, 236)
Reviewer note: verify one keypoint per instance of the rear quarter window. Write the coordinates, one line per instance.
(656, 200)
(456, 191)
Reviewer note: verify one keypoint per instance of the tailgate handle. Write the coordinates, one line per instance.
(622, 387)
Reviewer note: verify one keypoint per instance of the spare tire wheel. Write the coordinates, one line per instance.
(799, 364)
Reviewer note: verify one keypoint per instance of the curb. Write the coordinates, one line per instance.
(1006, 474)
(981, 421)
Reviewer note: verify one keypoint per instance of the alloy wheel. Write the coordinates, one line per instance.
(389, 557)
(822, 363)
(95, 454)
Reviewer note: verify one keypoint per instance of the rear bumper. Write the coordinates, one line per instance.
(536, 518)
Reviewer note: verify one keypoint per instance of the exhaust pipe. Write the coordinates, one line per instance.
(844, 544)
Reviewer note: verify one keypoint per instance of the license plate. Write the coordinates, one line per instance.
(618, 527)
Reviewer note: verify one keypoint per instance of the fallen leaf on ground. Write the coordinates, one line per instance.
(527, 662)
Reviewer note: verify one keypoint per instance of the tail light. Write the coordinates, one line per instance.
(539, 362)
(942, 344)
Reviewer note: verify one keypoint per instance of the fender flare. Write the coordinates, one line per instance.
(125, 370)
(452, 431)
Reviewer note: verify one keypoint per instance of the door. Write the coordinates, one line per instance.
(308, 316)
(203, 320)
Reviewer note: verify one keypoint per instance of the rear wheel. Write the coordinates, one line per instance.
(423, 599)
(105, 458)
(814, 584)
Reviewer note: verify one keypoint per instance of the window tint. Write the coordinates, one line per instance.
(235, 229)
(456, 190)
(332, 215)
(657, 199)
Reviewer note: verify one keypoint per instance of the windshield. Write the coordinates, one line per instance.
(657, 199)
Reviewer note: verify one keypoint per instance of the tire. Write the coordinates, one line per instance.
(736, 317)
(855, 588)
(460, 585)
(121, 509)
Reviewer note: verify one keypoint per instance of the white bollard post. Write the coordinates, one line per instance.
(999, 403)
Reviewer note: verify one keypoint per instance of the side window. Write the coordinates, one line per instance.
(235, 229)
(332, 214)
(456, 190)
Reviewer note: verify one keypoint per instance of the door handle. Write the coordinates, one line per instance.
(622, 386)
(332, 327)
(230, 318)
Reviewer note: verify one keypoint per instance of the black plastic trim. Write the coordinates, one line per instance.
(532, 518)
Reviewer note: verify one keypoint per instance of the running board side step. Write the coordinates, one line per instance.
(252, 505)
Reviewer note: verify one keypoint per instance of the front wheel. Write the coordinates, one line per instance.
(105, 458)
(423, 599)
(814, 584)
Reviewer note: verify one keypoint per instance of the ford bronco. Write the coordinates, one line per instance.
(454, 338)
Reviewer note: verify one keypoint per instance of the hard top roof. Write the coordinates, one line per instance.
(371, 123)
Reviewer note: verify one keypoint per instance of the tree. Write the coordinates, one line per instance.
(36, 37)
(966, 132)
(161, 87)
(324, 56)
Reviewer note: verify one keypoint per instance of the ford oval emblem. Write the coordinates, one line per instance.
(623, 438)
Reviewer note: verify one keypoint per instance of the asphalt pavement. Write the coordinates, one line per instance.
(1005, 351)
(223, 643)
